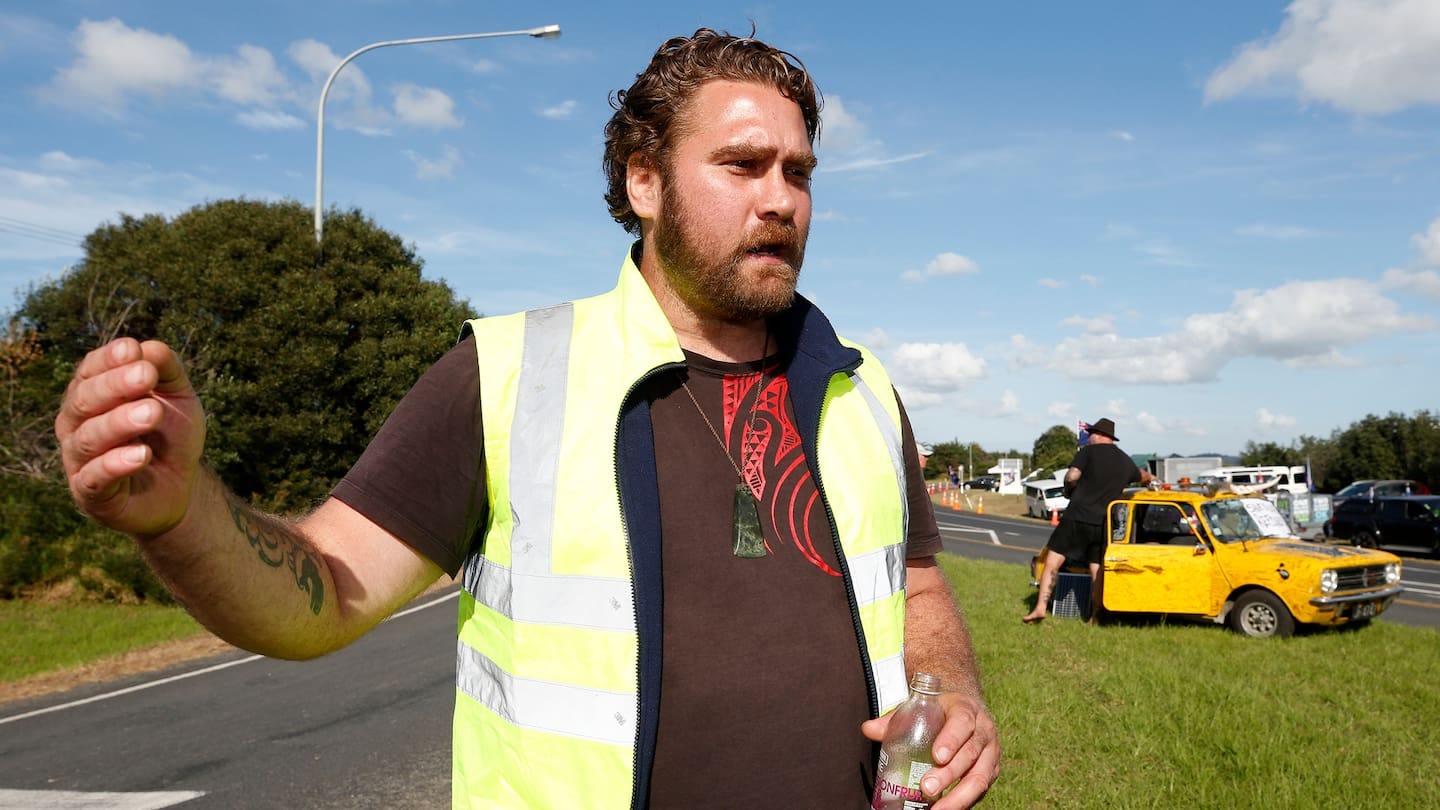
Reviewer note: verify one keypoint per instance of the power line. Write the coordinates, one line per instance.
(41, 233)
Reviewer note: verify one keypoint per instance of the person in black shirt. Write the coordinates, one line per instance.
(1098, 474)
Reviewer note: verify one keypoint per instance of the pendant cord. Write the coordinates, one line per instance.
(754, 404)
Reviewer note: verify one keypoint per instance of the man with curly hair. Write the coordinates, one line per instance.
(696, 550)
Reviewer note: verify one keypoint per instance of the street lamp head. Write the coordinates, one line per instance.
(545, 32)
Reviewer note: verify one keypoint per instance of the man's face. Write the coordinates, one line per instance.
(735, 202)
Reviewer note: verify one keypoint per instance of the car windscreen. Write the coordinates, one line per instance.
(1357, 488)
(1236, 519)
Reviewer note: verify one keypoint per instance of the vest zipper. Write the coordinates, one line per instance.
(870, 686)
(636, 801)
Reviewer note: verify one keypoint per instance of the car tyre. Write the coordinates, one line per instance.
(1261, 614)
(1363, 539)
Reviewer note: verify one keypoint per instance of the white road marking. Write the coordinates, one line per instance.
(993, 537)
(75, 800)
(182, 676)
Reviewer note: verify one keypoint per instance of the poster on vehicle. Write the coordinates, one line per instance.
(1267, 518)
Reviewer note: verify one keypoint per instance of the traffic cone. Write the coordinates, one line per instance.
(1054, 517)
(980, 508)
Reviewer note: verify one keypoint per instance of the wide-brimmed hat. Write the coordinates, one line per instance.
(1104, 427)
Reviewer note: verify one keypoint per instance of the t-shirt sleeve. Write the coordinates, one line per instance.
(923, 539)
(422, 478)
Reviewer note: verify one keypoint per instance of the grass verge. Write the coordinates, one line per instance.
(39, 637)
(1126, 715)
(1157, 715)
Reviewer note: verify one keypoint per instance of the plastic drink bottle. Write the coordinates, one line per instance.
(905, 755)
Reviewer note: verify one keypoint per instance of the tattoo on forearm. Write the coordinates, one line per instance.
(277, 548)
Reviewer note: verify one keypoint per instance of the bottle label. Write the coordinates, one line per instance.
(907, 791)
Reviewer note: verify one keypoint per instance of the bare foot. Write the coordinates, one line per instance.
(1033, 617)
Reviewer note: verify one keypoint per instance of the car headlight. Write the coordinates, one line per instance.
(1329, 579)
(1392, 573)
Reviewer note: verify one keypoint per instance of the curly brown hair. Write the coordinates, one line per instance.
(650, 113)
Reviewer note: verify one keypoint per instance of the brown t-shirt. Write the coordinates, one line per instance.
(763, 690)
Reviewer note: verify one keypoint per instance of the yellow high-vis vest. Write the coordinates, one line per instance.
(556, 683)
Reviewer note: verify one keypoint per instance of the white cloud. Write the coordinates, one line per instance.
(114, 61)
(1116, 407)
(951, 264)
(251, 78)
(1161, 252)
(1093, 281)
(443, 166)
(1429, 243)
(839, 129)
(1051, 283)
(1369, 57)
(1267, 421)
(1422, 282)
(1123, 135)
(1264, 230)
(860, 164)
(1147, 422)
(944, 264)
(845, 137)
(564, 109)
(1009, 404)
(57, 161)
(1304, 323)
(269, 120)
(424, 107)
(1022, 352)
(1102, 325)
(317, 60)
(1061, 410)
(927, 371)
(876, 339)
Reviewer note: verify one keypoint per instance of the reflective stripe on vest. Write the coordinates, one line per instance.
(548, 654)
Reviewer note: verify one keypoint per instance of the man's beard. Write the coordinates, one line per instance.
(715, 284)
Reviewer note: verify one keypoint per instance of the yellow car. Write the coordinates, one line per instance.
(1230, 558)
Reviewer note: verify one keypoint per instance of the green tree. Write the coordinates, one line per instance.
(1054, 449)
(298, 361)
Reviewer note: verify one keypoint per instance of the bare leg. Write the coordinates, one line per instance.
(1053, 563)
(1097, 589)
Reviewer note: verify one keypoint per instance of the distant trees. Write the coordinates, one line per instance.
(1054, 449)
(1392, 446)
(298, 361)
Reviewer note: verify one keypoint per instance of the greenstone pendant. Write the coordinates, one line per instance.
(748, 538)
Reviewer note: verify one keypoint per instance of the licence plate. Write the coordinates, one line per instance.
(1364, 610)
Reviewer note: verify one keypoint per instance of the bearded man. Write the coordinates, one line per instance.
(697, 551)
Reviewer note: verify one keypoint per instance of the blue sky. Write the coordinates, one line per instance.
(1213, 222)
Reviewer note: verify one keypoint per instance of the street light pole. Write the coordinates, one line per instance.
(541, 32)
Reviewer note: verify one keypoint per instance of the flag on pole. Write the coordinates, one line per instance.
(1309, 477)
(1084, 433)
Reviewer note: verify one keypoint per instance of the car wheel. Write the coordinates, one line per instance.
(1261, 614)
(1363, 539)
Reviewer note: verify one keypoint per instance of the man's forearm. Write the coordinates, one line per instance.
(937, 639)
(250, 578)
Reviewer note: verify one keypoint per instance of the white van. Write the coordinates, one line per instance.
(1045, 496)
(1278, 479)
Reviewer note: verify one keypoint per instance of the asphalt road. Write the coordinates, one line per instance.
(367, 727)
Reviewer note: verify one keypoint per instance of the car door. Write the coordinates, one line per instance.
(1156, 562)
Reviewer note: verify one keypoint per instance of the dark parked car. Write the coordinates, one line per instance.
(983, 482)
(1398, 523)
(1377, 489)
